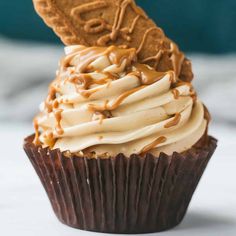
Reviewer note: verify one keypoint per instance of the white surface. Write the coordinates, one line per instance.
(25, 209)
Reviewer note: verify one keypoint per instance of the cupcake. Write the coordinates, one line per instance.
(120, 144)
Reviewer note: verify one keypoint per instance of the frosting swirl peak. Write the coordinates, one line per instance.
(104, 101)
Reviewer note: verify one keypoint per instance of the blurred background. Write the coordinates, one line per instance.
(29, 55)
(196, 25)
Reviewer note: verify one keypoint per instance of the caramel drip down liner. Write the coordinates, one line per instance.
(138, 194)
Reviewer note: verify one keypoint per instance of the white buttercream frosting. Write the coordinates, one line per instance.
(103, 101)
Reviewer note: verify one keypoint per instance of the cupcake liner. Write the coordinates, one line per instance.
(139, 194)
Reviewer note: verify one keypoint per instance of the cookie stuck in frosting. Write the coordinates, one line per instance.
(114, 22)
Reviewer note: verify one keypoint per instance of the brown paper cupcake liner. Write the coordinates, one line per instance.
(139, 194)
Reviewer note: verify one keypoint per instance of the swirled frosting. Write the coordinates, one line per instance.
(104, 102)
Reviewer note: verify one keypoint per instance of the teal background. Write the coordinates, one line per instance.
(196, 25)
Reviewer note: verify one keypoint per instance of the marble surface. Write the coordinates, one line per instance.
(25, 209)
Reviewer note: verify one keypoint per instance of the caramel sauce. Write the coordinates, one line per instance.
(144, 38)
(122, 97)
(82, 80)
(175, 121)
(88, 55)
(51, 96)
(55, 104)
(87, 93)
(117, 55)
(176, 58)
(131, 29)
(152, 145)
(98, 116)
(96, 108)
(58, 118)
(175, 93)
(148, 75)
(84, 58)
(48, 135)
(117, 102)
(36, 128)
(86, 80)
(49, 138)
(156, 58)
(110, 76)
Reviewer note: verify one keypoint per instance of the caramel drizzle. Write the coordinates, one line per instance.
(155, 58)
(176, 57)
(88, 55)
(51, 96)
(50, 105)
(133, 24)
(119, 18)
(36, 128)
(98, 116)
(116, 103)
(154, 144)
(175, 93)
(175, 121)
(148, 75)
(49, 138)
(83, 82)
(145, 38)
(85, 57)
(58, 118)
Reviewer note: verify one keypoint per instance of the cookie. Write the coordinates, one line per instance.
(114, 22)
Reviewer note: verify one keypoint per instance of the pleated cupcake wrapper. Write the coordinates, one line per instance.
(138, 194)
